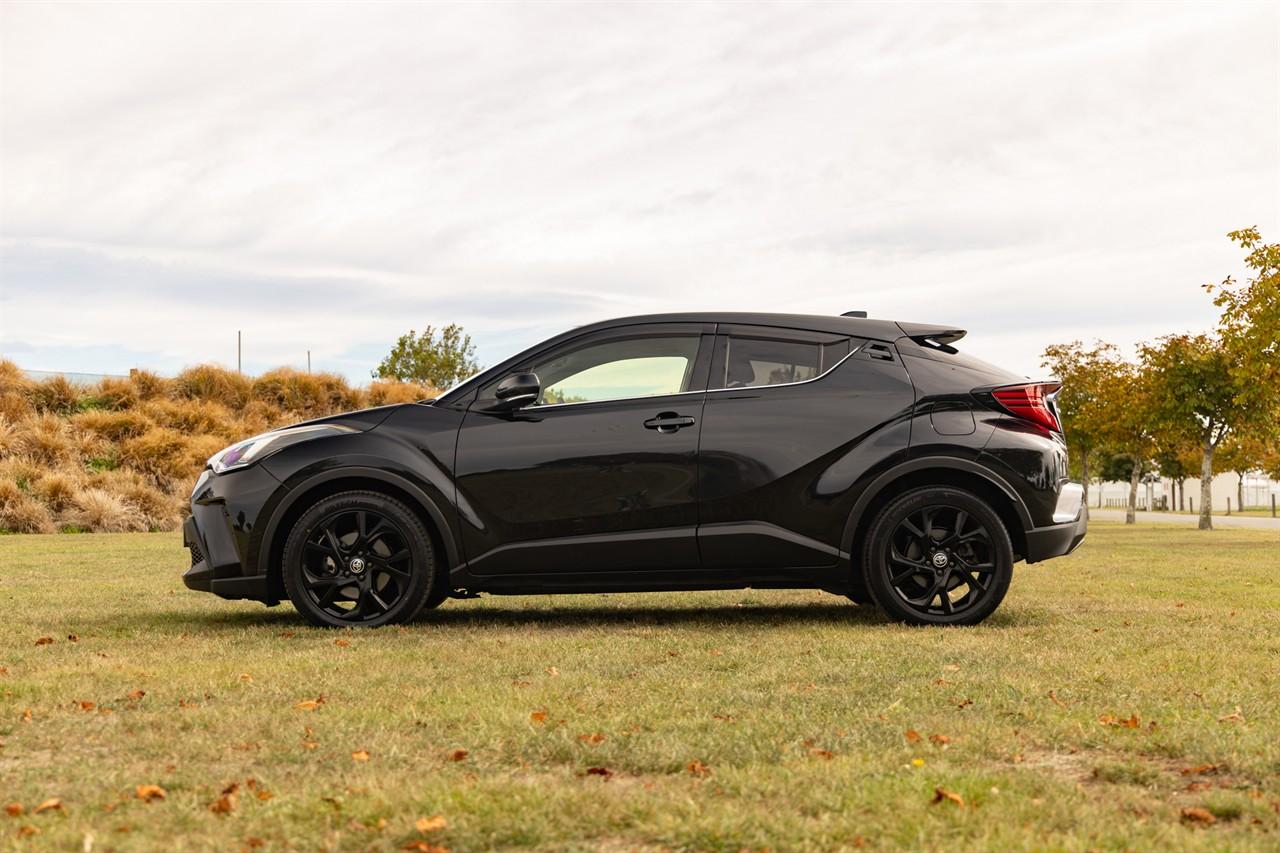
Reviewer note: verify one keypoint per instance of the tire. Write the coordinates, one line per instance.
(912, 584)
(359, 559)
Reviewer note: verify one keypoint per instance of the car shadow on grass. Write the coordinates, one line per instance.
(488, 614)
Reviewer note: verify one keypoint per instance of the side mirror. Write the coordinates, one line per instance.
(517, 391)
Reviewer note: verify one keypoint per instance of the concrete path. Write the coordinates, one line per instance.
(1249, 521)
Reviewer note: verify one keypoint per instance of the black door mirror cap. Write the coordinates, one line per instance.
(517, 391)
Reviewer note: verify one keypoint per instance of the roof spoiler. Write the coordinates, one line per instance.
(925, 333)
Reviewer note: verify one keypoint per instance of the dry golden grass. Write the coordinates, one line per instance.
(46, 439)
(56, 490)
(97, 511)
(20, 512)
(113, 426)
(121, 455)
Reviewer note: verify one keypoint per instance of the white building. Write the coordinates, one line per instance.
(1159, 492)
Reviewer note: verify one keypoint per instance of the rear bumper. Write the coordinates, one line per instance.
(1071, 519)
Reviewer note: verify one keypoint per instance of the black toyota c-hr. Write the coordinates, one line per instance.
(863, 457)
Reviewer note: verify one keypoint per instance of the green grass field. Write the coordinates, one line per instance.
(1123, 697)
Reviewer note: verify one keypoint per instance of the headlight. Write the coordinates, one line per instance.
(250, 450)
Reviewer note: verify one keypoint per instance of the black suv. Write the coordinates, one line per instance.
(863, 457)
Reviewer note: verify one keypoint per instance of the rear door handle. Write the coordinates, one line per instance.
(669, 422)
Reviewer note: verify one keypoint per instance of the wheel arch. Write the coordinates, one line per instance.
(938, 471)
(322, 485)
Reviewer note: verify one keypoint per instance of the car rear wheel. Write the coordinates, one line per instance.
(359, 558)
(938, 556)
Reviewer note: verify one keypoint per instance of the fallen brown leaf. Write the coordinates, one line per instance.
(13, 809)
(1195, 814)
(226, 802)
(74, 638)
(825, 754)
(939, 740)
(912, 736)
(552, 671)
(263, 794)
(50, 805)
(341, 643)
(135, 695)
(458, 755)
(951, 667)
(360, 755)
(1053, 695)
(26, 715)
(1234, 717)
(27, 831)
(599, 771)
(246, 677)
(86, 706)
(430, 824)
(940, 794)
(697, 768)
(964, 703)
(1199, 769)
(309, 704)
(147, 793)
(593, 738)
(538, 716)
(44, 641)
(420, 846)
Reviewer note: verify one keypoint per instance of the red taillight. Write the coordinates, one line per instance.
(1030, 402)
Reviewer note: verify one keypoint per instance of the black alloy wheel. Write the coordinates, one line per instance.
(938, 556)
(358, 558)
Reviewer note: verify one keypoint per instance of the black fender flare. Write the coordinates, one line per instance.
(424, 501)
(924, 463)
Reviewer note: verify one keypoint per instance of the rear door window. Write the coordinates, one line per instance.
(756, 359)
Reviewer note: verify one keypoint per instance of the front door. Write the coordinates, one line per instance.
(600, 474)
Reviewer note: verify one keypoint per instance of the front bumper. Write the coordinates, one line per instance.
(220, 534)
(1071, 522)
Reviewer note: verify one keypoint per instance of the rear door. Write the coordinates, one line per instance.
(792, 421)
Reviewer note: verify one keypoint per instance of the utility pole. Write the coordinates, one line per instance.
(308, 361)
(239, 368)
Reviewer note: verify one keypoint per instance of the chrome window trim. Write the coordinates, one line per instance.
(544, 407)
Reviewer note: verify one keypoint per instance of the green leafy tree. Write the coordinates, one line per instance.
(1125, 426)
(1081, 402)
(1176, 460)
(1240, 454)
(439, 359)
(1194, 394)
(1250, 328)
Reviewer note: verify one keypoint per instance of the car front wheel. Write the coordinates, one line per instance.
(938, 556)
(358, 558)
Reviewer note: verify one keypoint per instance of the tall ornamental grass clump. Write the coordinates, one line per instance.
(122, 455)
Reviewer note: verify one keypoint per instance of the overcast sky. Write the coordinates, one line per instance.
(327, 176)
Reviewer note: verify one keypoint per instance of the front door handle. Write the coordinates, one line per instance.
(666, 422)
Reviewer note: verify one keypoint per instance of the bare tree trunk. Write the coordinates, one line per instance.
(1206, 483)
(1130, 515)
(1084, 475)
(1240, 491)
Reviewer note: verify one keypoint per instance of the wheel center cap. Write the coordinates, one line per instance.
(356, 565)
(940, 560)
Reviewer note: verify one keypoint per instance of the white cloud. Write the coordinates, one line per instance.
(326, 176)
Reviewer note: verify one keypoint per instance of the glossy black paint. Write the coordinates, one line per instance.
(715, 487)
